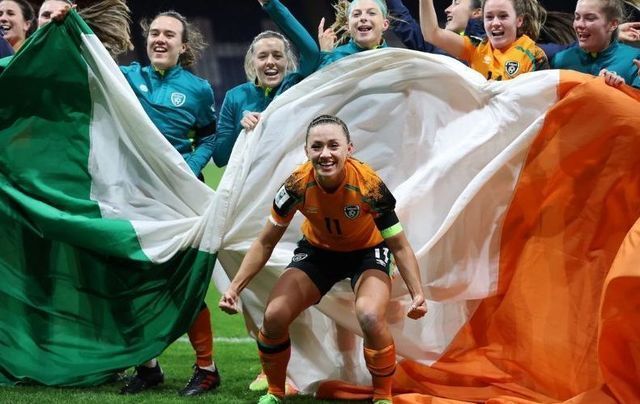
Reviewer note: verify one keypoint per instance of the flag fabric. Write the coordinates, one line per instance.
(516, 197)
(520, 199)
(101, 221)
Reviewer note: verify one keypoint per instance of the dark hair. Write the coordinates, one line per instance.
(28, 14)
(558, 28)
(473, 4)
(191, 37)
(328, 120)
(110, 20)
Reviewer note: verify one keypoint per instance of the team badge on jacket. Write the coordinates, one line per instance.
(512, 68)
(177, 99)
(352, 211)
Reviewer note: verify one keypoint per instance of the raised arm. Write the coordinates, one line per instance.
(253, 262)
(407, 28)
(450, 42)
(410, 272)
(297, 34)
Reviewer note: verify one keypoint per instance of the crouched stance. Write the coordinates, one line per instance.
(349, 232)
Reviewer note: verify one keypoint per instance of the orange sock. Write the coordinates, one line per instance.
(274, 356)
(381, 364)
(201, 337)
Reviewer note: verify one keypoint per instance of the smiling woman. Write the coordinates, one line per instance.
(512, 26)
(596, 24)
(350, 231)
(181, 105)
(270, 67)
(17, 21)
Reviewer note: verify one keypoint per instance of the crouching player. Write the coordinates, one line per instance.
(349, 232)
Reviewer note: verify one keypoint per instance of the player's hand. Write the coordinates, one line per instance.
(61, 13)
(629, 32)
(611, 78)
(249, 120)
(229, 302)
(418, 307)
(326, 37)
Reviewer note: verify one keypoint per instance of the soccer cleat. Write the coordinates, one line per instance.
(202, 381)
(260, 383)
(144, 379)
(270, 399)
(382, 401)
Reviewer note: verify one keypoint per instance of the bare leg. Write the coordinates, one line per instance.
(372, 297)
(291, 295)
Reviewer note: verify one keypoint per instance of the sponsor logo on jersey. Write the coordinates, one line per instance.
(352, 211)
(487, 60)
(311, 209)
(299, 257)
(144, 88)
(177, 99)
(282, 197)
(512, 67)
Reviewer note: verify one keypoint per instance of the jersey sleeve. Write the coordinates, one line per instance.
(468, 49)
(541, 61)
(383, 205)
(207, 112)
(285, 204)
(227, 130)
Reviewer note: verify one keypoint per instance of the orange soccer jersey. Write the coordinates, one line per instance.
(356, 216)
(521, 57)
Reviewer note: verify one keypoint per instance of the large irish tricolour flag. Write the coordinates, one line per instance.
(520, 199)
(103, 255)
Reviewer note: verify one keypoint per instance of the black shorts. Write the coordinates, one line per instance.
(326, 267)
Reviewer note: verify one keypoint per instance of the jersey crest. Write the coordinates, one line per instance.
(512, 67)
(352, 211)
(178, 99)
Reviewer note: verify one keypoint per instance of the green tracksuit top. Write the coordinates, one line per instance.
(618, 58)
(178, 102)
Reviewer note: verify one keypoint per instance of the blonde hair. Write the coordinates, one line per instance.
(249, 66)
(342, 10)
(191, 37)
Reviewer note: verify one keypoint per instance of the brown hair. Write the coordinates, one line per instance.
(191, 37)
(328, 119)
(533, 16)
(28, 14)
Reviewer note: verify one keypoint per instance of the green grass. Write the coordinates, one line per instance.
(237, 361)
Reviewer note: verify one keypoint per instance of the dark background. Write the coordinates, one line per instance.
(230, 25)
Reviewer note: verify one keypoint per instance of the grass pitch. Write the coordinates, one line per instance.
(234, 352)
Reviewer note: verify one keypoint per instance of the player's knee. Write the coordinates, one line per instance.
(371, 321)
(276, 321)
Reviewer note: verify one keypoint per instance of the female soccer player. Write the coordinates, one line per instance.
(596, 23)
(349, 232)
(512, 26)
(271, 68)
